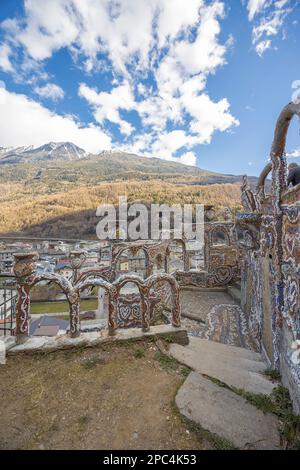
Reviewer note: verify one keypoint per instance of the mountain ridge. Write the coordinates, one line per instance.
(108, 165)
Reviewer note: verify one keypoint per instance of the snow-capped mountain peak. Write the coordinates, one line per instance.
(51, 151)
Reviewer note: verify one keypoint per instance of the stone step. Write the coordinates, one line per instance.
(206, 346)
(235, 293)
(227, 414)
(236, 367)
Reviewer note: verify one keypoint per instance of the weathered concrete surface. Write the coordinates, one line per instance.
(197, 303)
(226, 414)
(46, 343)
(234, 366)
(9, 341)
(235, 293)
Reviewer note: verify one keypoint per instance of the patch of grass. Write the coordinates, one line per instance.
(185, 371)
(289, 422)
(92, 362)
(61, 307)
(278, 403)
(170, 338)
(139, 353)
(83, 420)
(166, 362)
(63, 317)
(272, 374)
(217, 381)
(259, 400)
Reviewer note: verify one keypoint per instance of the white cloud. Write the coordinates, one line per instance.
(294, 153)
(175, 17)
(25, 122)
(169, 142)
(50, 91)
(208, 116)
(262, 46)
(188, 158)
(107, 105)
(5, 63)
(255, 6)
(271, 20)
(205, 53)
(175, 45)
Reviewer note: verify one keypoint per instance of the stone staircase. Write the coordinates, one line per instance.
(237, 367)
(219, 409)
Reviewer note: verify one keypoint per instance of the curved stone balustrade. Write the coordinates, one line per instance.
(24, 270)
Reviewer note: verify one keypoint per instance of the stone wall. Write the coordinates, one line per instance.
(269, 236)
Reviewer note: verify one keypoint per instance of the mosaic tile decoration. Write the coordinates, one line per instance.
(227, 324)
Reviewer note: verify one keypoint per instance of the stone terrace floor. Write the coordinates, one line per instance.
(214, 315)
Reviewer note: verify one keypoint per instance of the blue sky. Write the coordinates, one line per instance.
(196, 81)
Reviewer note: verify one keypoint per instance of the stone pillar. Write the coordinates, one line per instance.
(74, 311)
(176, 309)
(112, 310)
(186, 260)
(102, 311)
(24, 267)
(145, 304)
(167, 262)
(77, 258)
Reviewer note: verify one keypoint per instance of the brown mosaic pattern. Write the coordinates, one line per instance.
(122, 311)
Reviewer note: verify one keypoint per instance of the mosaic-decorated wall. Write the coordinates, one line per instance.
(221, 258)
(269, 237)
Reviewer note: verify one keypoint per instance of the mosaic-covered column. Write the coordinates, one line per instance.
(176, 309)
(74, 311)
(23, 268)
(186, 259)
(112, 310)
(77, 258)
(145, 308)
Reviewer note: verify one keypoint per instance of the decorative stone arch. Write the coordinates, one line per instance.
(109, 288)
(277, 155)
(118, 250)
(26, 279)
(215, 231)
(158, 262)
(176, 311)
(143, 293)
(260, 187)
(182, 243)
(25, 267)
(105, 273)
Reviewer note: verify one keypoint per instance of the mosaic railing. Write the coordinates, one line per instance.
(118, 312)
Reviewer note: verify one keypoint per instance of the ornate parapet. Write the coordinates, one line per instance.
(151, 250)
(191, 278)
(134, 310)
(124, 311)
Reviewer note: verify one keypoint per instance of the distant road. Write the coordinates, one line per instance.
(73, 240)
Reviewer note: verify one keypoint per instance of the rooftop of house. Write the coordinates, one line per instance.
(47, 326)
